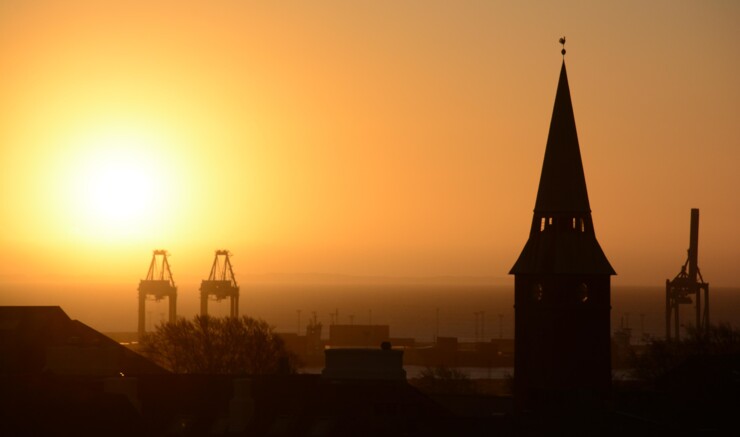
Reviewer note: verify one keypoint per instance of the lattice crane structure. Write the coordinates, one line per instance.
(157, 285)
(687, 284)
(221, 284)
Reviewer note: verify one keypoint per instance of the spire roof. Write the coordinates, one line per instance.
(562, 182)
(562, 238)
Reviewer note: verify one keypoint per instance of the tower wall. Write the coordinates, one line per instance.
(562, 342)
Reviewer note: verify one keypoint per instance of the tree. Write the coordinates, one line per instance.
(662, 357)
(226, 346)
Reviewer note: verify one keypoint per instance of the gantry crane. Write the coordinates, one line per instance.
(220, 284)
(686, 284)
(157, 285)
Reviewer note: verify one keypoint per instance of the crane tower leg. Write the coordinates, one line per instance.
(142, 310)
(203, 303)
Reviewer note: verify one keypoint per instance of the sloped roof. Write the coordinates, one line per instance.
(34, 339)
(571, 253)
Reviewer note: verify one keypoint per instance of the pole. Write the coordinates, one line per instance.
(667, 310)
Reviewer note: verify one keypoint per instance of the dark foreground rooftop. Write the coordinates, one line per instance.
(41, 396)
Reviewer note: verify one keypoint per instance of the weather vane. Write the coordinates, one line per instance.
(562, 41)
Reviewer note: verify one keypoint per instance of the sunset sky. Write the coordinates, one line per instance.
(372, 138)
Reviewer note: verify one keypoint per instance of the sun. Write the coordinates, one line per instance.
(119, 187)
(116, 187)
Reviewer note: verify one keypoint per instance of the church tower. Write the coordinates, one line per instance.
(562, 281)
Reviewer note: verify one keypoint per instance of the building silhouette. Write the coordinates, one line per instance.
(36, 340)
(562, 282)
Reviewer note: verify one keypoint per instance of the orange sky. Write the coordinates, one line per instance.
(361, 138)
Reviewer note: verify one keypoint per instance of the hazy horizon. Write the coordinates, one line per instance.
(408, 307)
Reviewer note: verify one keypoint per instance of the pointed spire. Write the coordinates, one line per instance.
(562, 238)
(562, 182)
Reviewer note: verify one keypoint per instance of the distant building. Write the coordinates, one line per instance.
(562, 282)
(377, 364)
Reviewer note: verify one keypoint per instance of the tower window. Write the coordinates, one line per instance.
(583, 292)
(542, 224)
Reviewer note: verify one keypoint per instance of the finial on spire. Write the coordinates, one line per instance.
(562, 41)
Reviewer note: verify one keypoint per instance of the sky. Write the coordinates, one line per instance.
(367, 138)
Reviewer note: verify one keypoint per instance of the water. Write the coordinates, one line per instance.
(472, 372)
(499, 373)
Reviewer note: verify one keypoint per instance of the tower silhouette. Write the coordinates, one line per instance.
(562, 282)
